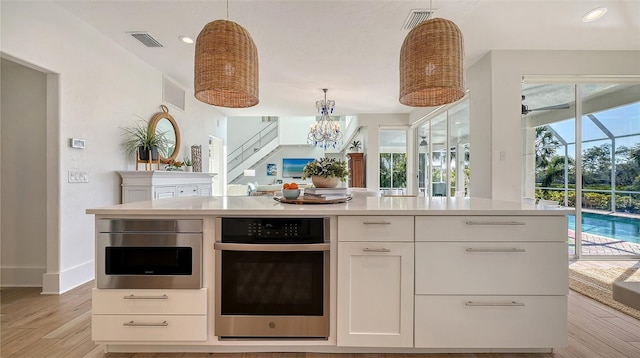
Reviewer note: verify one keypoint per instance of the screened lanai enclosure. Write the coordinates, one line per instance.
(592, 164)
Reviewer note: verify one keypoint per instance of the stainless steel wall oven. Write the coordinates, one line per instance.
(272, 277)
(136, 253)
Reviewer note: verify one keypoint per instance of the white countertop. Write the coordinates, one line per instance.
(266, 205)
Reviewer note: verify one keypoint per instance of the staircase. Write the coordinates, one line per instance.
(252, 151)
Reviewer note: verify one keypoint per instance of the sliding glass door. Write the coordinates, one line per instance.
(597, 157)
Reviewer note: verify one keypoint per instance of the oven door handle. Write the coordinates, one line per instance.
(223, 246)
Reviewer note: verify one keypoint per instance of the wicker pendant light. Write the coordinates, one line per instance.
(226, 66)
(431, 64)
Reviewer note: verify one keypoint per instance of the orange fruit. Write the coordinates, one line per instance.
(286, 186)
(293, 186)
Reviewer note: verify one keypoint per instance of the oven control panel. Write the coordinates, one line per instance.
(272, 230)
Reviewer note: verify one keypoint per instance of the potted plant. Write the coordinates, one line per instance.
(140, 138)
(355, 146)
(188, 164)
(326, 172)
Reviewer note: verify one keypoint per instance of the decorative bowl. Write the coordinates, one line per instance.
(291, 193)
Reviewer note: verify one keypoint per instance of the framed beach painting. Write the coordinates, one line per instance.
(272, 169)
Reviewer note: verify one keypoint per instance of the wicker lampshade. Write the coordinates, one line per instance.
(226, 66)
(431, 64)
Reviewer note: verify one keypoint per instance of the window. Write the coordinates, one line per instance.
(444, 152)
(393, 161)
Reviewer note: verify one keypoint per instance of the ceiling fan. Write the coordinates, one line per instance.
(526, 110)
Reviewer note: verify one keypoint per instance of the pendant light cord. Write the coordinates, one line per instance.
(227, 10)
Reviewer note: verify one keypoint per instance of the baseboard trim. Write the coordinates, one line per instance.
(58, 283)
(76, 276)
(21, 276)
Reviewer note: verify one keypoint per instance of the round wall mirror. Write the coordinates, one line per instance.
(163, 124)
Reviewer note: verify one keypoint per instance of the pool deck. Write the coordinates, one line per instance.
(600, 245)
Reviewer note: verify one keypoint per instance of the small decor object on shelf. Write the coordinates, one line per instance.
(173, 165)
(326, 172)
(188, 164)
(196, 157)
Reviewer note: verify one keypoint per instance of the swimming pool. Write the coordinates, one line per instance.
(615, 227)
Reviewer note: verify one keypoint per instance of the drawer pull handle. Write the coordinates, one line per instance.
(494, 304)
(366, 249)
(145, 324)
(513, 249)
(134, 297)
(377, 223)
(512, 223)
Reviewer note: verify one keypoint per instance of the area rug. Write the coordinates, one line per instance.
(596, 283)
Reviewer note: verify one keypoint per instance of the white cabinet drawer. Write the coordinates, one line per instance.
(494, 268)
(149, 328)
(375, 228)
(490, 321)
(106, 301)
(187, 190)
(164, 192)
(491, 228)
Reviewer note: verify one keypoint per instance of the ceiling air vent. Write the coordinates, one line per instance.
(416, 16)
(145, 38)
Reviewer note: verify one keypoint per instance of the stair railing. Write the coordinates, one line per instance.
(252, 145)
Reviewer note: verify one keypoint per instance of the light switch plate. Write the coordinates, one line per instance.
(76, 143)
(78, 176)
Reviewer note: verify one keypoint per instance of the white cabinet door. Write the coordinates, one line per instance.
(136, 193)
(204, 189)
(375, 294)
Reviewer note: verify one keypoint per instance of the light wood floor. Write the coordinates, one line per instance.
(35, 326)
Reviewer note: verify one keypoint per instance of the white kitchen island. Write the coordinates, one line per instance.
(406, 275)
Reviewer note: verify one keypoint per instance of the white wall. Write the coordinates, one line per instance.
(241, 129)
(102, 88)
(499, 75)
(480, 85)
(24, 140)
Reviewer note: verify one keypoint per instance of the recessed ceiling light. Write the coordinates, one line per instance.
(186, 39)
(594, 14)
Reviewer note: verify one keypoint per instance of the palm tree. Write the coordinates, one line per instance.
(555, 170)
(545, 144)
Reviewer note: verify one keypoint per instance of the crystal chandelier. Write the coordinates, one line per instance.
(325, 132)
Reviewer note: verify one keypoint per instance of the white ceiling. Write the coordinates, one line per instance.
(351, 47)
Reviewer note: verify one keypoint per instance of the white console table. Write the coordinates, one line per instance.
(157, 184)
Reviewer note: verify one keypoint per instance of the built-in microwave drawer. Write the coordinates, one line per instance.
(375, 228)
(149, 260)
(125, 301)
(491, 228)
